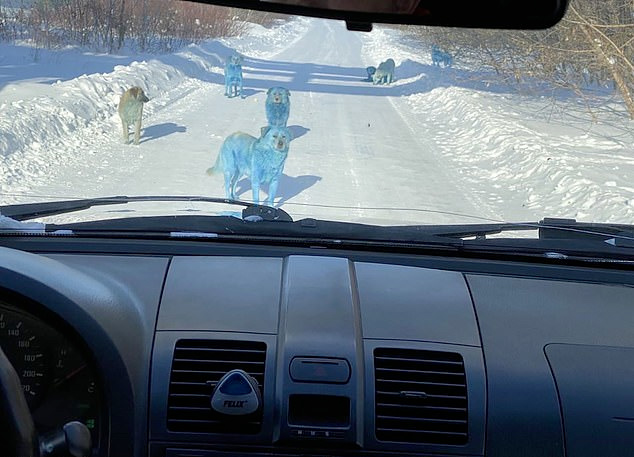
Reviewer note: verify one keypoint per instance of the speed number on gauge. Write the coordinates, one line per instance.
(58, 381)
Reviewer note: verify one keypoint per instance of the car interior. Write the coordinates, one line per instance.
(251, 346)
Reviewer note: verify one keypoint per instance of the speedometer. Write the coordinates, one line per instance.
(58, 380)
(19, 340)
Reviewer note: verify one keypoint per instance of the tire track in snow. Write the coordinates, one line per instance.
(486, 211)
(370, 156)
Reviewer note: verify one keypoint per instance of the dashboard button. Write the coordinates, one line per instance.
(322, 370)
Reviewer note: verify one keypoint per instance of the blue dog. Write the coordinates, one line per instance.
(438, 57)
(278, 106)
(371, 71)
(233, 76)
(261, 159)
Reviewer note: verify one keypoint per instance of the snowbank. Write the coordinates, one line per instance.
(48, 107)
(526, 156)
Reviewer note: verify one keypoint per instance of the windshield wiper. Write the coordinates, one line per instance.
(26, 211)
(547, 228)
(552, 232)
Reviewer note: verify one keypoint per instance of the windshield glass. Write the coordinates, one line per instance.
(401, 125)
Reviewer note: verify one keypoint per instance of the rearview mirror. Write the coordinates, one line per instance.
(500, 14)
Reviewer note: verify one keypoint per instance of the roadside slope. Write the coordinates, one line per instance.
(57, 115)
(525, 156)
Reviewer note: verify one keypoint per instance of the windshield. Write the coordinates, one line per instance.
(401, 125)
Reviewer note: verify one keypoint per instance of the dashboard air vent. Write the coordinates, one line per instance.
(196, 368)
(420, 397)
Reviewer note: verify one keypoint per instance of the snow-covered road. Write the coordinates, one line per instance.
(434, 145)
(357, 150)
(353, 150)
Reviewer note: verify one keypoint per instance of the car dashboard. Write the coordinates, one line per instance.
(347, 352)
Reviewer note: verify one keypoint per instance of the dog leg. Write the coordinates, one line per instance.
(255, 185)
(234, 184)
(137, 130)
(230, 191)
(272, 191)
(126, 132)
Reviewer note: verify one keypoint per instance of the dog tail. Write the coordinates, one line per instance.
(217, 168)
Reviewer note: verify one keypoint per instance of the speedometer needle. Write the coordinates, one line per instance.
(68, 376)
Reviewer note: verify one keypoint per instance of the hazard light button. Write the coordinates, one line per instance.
(320, 370)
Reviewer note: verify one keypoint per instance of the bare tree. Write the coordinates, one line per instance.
(150, 25)
(592, 46)
(606, 30)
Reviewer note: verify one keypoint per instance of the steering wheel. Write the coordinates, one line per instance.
(18, 437)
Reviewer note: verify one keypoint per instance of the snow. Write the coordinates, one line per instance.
(519, 159)
(440, 145)
(8, 224)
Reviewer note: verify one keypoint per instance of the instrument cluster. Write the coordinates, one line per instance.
(58, 378)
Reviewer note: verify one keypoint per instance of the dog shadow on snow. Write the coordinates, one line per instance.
(289, 187)
(411, 77)
(154, 132)
(297, 131)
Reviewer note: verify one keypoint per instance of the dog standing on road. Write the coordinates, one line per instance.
(233, 76)
(438, 57)
(131, 112)
(370, 70)
(261, 159)
(277, 106)
(384, 73)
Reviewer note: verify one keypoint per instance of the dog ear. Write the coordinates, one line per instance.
(268, 92)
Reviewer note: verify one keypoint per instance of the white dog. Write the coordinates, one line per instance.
(131, 112)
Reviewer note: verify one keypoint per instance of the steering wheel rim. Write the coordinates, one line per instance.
(16, 423)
